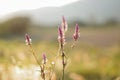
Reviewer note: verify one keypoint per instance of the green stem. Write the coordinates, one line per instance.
(34, 55)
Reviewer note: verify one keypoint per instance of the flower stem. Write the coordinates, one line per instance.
(63, 61)
(63, 67)
(34, 54)
(43, 72)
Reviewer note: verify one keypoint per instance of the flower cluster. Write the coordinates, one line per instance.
(61, 38)
(44, 69)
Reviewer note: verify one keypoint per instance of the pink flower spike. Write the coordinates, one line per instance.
(60, 35)
(76, 28)
(76, 34)
(64, 24)
(44, 58)
(28, 39)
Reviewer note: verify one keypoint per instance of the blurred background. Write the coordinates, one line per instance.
(95, 56)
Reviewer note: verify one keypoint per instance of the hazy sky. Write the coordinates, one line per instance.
(8, 6)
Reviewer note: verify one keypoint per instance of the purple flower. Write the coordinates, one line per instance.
(64, 24)
(60, 32)
(60, 35)
(44, 58)
(28, 39)
(76, 34)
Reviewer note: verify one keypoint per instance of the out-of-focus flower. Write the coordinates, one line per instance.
(64, 25)
(53, 63)
(44, 58)
(76, 34)
(28, 39)
(60, 35)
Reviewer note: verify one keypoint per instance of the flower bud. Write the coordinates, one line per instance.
(28, 39)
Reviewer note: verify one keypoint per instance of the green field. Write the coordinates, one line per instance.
(96, 55)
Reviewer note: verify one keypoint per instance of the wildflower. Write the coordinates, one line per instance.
(60, 35)
(76, 34)
(44, 58)
(64, 25)
(28, 39)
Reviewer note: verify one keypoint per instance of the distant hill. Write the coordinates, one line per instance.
(86, 10)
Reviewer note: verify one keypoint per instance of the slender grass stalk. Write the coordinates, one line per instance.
(51, 73)
(42, 68)
(33, 52)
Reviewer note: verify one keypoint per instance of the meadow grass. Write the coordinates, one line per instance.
(95, 57)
